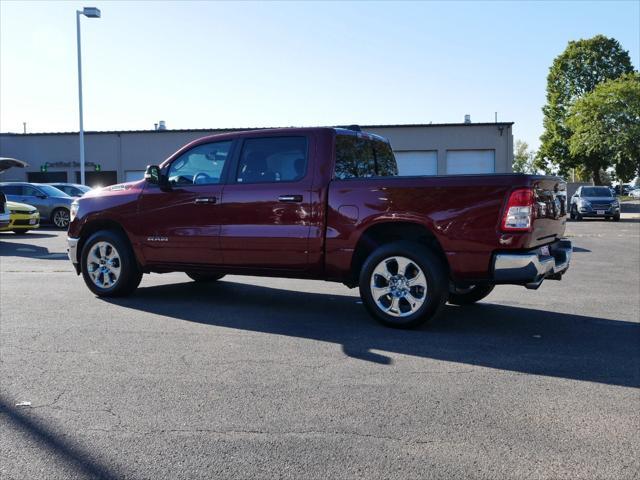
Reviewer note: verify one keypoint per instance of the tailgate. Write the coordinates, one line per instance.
(549, 210)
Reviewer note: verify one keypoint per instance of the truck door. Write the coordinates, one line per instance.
(181, 224)
(267, 213)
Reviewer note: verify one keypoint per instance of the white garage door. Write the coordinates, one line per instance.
(471, 161)
(417, 162)
(133, 175)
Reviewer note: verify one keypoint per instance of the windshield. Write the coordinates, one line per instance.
(596, 192)
(52, 191)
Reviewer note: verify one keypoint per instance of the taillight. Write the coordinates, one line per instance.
(518, 212)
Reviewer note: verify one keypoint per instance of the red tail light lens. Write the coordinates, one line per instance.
(519, 211)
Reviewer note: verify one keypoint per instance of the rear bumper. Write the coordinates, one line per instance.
(532, 267)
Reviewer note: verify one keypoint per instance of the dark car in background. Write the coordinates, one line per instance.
(72, 189)
(52, 203)
(597, 202)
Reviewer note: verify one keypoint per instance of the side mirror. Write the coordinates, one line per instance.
(153, 174)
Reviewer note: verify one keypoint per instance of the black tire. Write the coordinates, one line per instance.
(616, 217)
(473, 294)
(20, 232)
(204, 277)
(433, 296)
(60, 217)
(130, 273)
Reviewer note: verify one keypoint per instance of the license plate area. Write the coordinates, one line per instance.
(600, 212)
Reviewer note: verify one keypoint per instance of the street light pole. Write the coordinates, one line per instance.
(89, 12)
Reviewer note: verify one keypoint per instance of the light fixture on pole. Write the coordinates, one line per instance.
(89, 12)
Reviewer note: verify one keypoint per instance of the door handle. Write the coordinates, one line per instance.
(290, 198)
(205, 200)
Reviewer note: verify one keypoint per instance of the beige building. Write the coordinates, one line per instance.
(112, 157)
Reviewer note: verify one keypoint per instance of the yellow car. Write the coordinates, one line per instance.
(23, 218)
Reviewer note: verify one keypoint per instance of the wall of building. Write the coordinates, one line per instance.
(123, 152)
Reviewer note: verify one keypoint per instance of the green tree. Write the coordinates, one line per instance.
(574, 73)
(605, 128)
(523, 158)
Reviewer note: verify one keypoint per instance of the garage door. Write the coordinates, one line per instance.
(417, 162)
(471, 161)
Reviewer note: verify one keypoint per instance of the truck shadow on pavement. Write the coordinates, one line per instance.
(508, 338)
(28, 250)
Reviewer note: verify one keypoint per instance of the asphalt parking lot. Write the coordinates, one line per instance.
(276, 378)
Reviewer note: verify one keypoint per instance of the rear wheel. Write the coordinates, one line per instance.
(468, 295)
(403, 284)
(60, 217)
(109, 266)
(204, 277)
(20, 232)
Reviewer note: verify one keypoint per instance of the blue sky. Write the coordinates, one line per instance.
(254, 64)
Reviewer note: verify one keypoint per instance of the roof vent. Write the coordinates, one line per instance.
(467, 118)
(162, 125)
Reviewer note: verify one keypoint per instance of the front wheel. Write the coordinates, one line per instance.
(60, 217)
(616, 217)
(109, 266)
(403, 284)
(468, 295)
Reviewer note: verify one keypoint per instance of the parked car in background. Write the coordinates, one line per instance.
(72, 189)
(635, 193)
(22, 218)
(5, 214)
(52, 203)
(594, 202)
(323, 203)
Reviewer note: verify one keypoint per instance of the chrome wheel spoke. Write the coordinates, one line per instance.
(379, 292)
(403, 263)
(394, 307)
(417, 280)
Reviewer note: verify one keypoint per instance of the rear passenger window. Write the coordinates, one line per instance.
(272, 159)
(358, 157)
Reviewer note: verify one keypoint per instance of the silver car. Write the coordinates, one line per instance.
(52, 203)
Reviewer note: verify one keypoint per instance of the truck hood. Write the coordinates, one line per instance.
(117, 189)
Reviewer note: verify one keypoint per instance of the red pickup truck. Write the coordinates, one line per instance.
(323, 203)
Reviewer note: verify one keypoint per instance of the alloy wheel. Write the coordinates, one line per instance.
(61, 218)
(398, 286)
(104, 265)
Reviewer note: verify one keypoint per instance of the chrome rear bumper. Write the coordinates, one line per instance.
(531, 268)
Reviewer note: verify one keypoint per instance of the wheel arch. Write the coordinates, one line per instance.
(95, 226)
(385, 232)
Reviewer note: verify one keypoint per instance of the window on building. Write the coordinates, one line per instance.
(272, 159)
